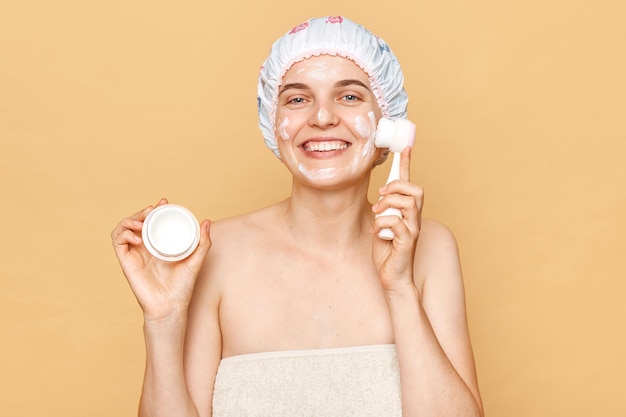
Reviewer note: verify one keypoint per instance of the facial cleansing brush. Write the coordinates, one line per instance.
(395, 135)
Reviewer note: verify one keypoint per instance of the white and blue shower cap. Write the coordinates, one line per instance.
(331, 35)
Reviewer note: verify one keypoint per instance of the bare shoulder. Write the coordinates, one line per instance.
(437, 262)
(435, 234)
(243, 230)
(233, 244)
(436, 247)
(240, 241)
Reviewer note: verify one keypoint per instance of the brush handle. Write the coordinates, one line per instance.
(394, 174)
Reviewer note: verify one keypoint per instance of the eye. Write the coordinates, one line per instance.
(351, 98)
(296, 100)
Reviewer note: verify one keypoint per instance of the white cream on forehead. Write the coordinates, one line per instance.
(282, 129)
(318, 70)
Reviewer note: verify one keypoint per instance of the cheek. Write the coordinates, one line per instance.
(283, 129)
(363, 127)
(366, 128)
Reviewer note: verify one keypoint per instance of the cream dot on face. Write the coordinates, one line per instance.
(282, 129)
(322, 115)
(363, 127)
(318, 174)
(367, 130)
(319, 72)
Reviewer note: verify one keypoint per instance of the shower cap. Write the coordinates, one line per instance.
(331, 35)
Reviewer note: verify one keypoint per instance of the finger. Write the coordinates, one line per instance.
(416, 192)
(403, 203)
(406, 204)
(204, 245)
(205, 234)
(139, 217)
(135, 221)
(404, 188)
(142, 214)
(405, 164)
(396, 224)
(128, 236)
(123, 241)
(126, 224)
(410, 207)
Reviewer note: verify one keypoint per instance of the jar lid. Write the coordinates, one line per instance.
(170, 232)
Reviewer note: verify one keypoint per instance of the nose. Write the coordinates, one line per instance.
(323, 115)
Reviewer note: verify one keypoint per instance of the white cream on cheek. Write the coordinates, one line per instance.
(367, 130)
(282, 129)
(370, 148)
(363, 127)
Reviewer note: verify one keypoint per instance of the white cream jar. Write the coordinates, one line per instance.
(170, 232)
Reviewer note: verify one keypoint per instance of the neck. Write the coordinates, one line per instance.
(329, 218)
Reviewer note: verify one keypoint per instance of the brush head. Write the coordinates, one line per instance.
(394, 134)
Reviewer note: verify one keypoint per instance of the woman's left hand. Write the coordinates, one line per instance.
(394, 258)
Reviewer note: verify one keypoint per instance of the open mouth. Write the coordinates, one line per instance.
(324, 146)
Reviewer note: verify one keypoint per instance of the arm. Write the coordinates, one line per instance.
(423, 286)
(430, 327)
(203, 342)
(165, 390)
(164, 291)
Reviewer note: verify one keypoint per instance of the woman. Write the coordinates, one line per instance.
(299, 308)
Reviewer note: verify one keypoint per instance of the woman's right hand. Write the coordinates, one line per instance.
(162, 288)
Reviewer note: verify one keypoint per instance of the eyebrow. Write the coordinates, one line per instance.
(346, 83)
(295, 86)
(342, 83)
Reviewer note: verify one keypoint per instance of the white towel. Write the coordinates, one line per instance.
(358, 381)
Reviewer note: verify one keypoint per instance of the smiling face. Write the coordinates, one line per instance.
(326, 117)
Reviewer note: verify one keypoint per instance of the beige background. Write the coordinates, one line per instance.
(105, 106)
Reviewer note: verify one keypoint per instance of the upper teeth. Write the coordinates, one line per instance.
(325, 146)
